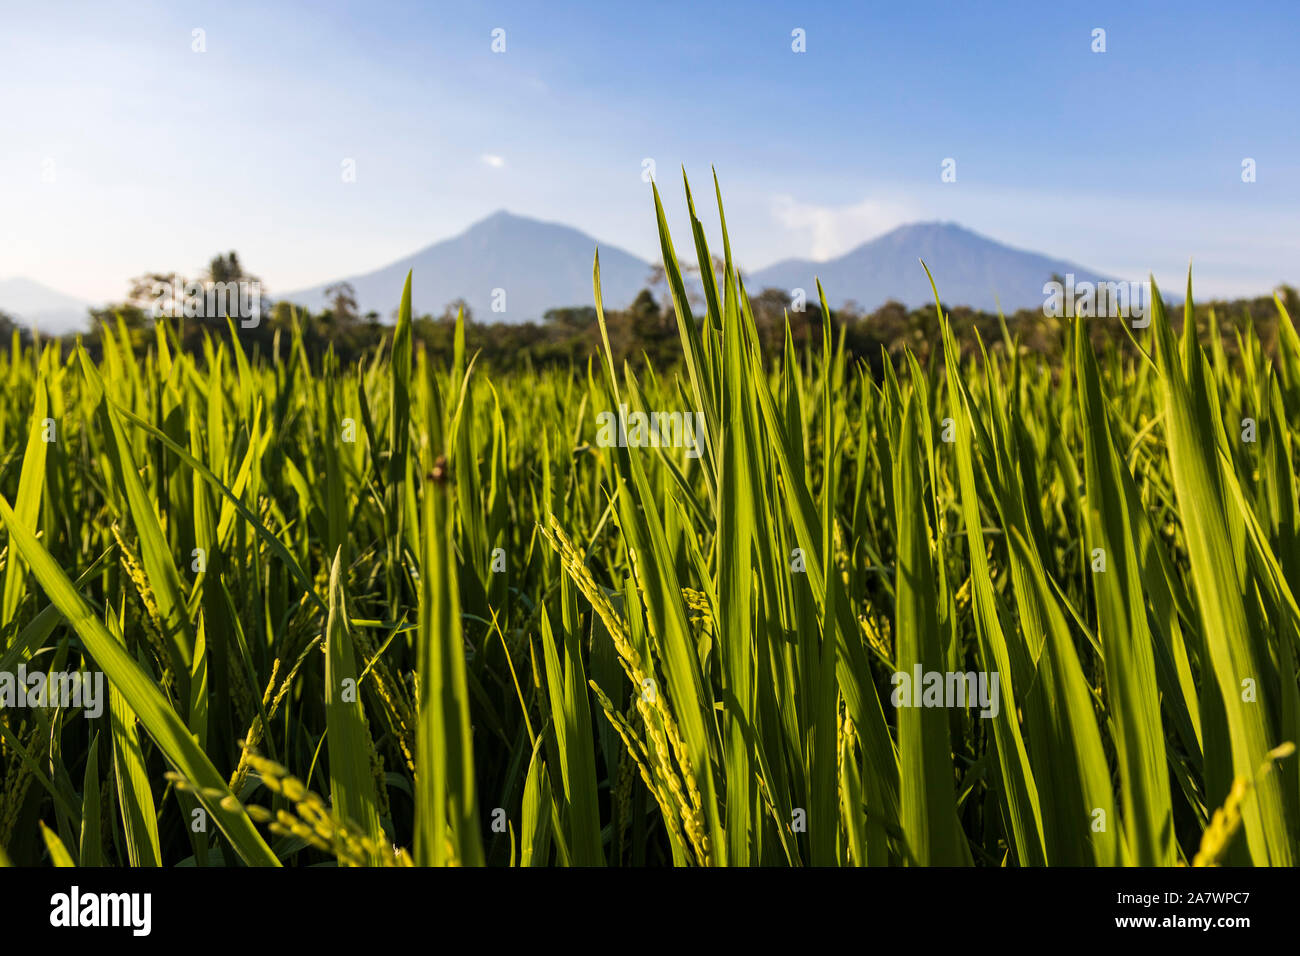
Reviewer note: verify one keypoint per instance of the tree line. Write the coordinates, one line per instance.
(643, 332)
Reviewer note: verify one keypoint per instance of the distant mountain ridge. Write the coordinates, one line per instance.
(38, 306)
(536, 266)
(542, 265)
(512, 268)
(969, 269)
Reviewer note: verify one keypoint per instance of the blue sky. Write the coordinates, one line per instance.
(1124, 161)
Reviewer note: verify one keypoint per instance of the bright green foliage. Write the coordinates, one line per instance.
(408, 612)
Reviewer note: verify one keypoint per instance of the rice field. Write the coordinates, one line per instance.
(412, 612)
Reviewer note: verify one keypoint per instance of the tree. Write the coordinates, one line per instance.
(650, 326)
(659, 277)
(152, 294)
(226, 269)
(342, 302)
(453, 307)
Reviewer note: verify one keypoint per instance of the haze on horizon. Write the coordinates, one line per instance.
(130, 150)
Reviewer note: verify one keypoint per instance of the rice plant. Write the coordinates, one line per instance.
(419, 613)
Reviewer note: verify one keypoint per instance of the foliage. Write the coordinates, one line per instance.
(359, 595)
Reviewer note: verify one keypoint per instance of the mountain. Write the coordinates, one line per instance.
(969, 269)
(32, 304)
(539, 265)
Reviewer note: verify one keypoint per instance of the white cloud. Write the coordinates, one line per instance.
(829, 231)
(496, 162)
